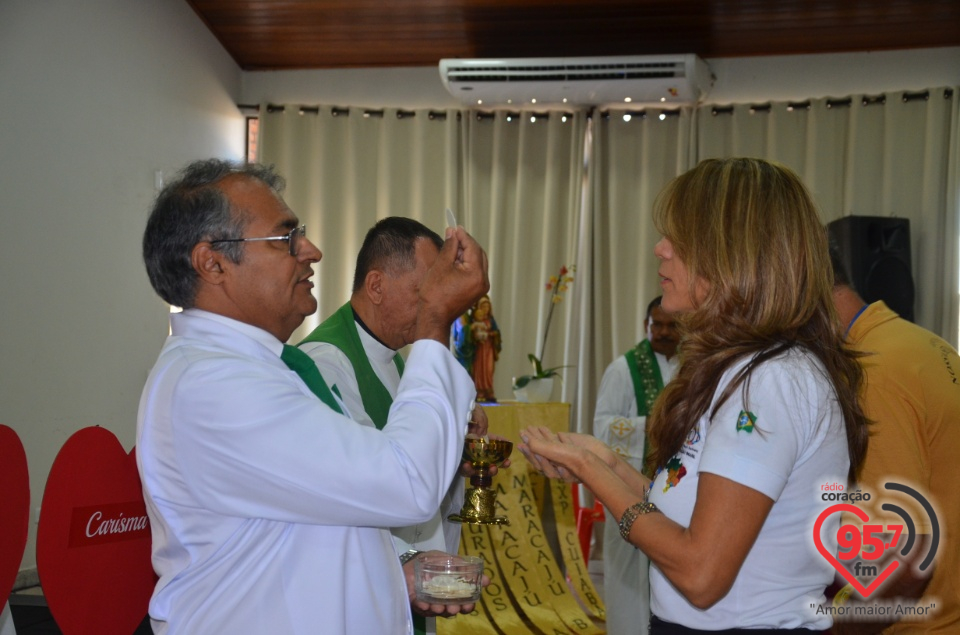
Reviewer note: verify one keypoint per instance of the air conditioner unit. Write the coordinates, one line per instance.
(665, 80)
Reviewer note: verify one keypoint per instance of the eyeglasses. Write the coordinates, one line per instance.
(293, 239)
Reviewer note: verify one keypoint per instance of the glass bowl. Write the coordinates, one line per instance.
(448, 579)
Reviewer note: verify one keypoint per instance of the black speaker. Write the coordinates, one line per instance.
(876, 253)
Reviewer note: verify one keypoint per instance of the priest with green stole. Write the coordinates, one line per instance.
(356, 352)
(629, 387)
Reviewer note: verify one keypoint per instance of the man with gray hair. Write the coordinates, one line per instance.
(268, 508)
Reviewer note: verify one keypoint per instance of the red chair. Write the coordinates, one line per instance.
(15, 518)
(586, 517)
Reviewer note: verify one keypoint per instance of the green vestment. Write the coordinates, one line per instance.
(340, 330)
(647, 385)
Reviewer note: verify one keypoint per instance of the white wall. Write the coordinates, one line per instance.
(97, 96)
(797, 77)
(739, 80)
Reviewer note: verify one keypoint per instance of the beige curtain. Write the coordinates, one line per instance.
(348, 168)
(893, 154)
(950, 309)
(633, 156)
(522, 194)
(538, 195)
(514, 182)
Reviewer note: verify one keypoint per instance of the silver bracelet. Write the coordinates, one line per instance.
(635, 510)
(408, 555)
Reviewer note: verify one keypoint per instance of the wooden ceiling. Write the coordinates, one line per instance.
(302, 34)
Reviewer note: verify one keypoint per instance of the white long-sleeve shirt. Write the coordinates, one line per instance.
(268, 510)
(436, 533)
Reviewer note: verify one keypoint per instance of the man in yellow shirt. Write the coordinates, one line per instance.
(912, 394)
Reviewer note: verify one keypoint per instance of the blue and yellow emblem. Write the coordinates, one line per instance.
(745, 421)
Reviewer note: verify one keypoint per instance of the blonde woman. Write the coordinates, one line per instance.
(761, 413)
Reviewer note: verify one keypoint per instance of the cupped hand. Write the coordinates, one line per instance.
(550, 453)
(562, 454)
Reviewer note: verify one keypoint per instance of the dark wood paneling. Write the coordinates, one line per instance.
(298, 34)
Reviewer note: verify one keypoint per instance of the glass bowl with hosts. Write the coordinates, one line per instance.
(448, 579)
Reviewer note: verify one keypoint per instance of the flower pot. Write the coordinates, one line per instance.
(536, 391)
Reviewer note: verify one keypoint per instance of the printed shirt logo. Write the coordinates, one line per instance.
(675, 472)
(746, 421)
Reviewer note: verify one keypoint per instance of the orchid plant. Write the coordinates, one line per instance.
(557, 285)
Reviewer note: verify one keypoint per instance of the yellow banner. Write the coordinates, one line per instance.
(527, 563)
(570, 552)
(529, 592)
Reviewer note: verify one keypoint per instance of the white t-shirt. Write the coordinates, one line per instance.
(785, 438)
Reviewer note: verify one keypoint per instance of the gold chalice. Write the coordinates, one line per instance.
(480, 500)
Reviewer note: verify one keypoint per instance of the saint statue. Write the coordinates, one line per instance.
(476, 344)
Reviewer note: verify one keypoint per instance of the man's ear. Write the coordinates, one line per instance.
(373, 285)
(208, 263)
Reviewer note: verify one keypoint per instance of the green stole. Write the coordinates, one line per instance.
(340, 330)
(647, 384)
(300, 363)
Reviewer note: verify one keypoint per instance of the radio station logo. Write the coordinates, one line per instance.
(862, 549)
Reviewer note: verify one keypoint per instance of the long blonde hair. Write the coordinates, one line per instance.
(750, 230)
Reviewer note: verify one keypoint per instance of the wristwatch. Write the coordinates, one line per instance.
(409, 555)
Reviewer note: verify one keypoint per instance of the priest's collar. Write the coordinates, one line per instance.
(367, 328)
